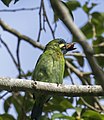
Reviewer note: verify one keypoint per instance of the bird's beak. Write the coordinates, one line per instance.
(67, 47)
(70, 46)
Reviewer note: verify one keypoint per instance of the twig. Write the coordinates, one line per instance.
(70, 76)
(17, 10)
(44, 11)
(78, 73)
(99, 45)
(3, 95)
(18, 59)
(74, 69)
(19, 35)
(90, 106)
(98, 103)
(82, 77)
(83, 55)
(10, 53)
(40, 20)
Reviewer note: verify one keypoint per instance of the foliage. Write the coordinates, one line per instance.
(7, 2)
(84, 108)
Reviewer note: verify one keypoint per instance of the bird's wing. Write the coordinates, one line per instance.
(49, 67)
(43, 68)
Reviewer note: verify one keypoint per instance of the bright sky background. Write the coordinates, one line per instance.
(26, 22)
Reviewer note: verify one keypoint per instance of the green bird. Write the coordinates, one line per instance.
(49, 68)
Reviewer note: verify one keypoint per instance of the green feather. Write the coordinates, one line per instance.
(49, 68)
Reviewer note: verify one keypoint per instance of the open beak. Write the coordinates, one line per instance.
(70, 46)
(67, 47)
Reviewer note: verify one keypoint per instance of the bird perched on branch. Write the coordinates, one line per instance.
(49, 68)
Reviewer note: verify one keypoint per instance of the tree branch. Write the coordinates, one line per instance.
(11, 84)
(67, 20)
(20, 36)
(18, 10)
(79, 54)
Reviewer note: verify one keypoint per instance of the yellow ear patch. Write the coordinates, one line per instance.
(61, 45)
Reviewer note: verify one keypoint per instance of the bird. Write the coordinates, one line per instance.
(49, 68)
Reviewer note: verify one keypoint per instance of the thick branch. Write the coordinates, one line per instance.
(67, 20)
(11, 84)
(20, 36)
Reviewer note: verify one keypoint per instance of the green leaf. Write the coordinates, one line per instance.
(87, 29)
(15, 1)
(54, 104)
(57, 15)
(67, 4)
(87, 9)
(18, 102)
(66, 72)
(26, 75)
(6, 2)
(97, 22)
(66, 104)
(7, 104)
(98, 46)
(61, 116)
(73, 5)
(80, 60)
(6, 117)
(59, 103)
(90, 100)
(92, 115)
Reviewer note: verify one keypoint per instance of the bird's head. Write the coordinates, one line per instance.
(60, 44)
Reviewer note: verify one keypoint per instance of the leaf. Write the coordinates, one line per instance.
(7, 104)
(97, 22)
(90, 100)
(15, 1)
(87, 29)
(73, 5)
(59, 103)
(98, 46)
(88, 9)
(57, 15)
(11, 100)
(78, 110)
(80, 60)
(92, 115)
(17, 104)
(6, 2)
(54, 104)
(66, 72)
(26, 75)
(6, 117)
(66, 104)
(61, 116)
(69, 8)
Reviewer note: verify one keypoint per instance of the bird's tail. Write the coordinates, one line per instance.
(36, 111)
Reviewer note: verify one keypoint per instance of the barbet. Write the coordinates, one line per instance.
(49, 68)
